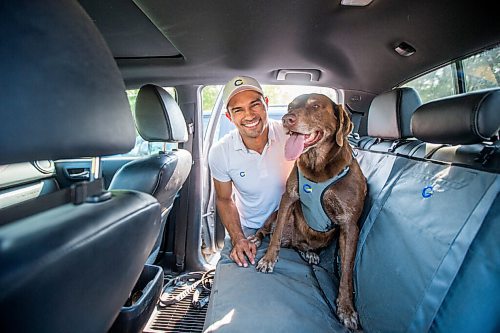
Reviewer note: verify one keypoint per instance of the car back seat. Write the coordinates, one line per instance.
(427, 260)
(439, 220)
(389, 122)
(64, 97)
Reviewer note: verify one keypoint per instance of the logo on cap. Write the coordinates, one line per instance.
(307, 188)
(238, 82)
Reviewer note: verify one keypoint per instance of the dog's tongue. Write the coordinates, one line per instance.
(294, 146)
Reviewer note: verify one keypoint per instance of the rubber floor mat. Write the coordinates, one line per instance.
(181, 317)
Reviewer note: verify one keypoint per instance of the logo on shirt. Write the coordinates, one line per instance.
(307, 188)
(427, 192)
(242, 174)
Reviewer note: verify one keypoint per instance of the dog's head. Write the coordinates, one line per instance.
(312, 120)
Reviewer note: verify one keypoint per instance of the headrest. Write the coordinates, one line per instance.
(62, 93)
(462, 119)
(390, 113)
(158, 117)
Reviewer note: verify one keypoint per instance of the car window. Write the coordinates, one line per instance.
(480, 71)
(436, 84)
(143, 147)
(279, 97)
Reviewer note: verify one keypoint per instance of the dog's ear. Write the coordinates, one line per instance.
(344, 125)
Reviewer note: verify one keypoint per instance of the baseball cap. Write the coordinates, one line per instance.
(239, 84)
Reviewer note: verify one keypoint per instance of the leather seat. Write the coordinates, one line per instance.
(389, 121)
(461, 129)
(68, 259)
(158, 118)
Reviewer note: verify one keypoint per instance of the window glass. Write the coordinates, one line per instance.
(142, 147)
(279, 97)
(482, 70)
(433, 85)
(208, 97)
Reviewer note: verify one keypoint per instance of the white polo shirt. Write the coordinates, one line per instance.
(258, 179)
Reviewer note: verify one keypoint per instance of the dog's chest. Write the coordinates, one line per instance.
(311, 199)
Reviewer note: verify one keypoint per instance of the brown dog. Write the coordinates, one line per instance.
(318, 131)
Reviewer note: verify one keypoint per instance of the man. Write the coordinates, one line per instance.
(251, 160)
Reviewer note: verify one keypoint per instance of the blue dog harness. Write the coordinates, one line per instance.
(311, 199)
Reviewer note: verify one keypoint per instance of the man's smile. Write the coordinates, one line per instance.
(252, 124)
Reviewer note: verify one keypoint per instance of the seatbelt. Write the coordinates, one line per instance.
(487, 152)
(76, 194)
(396, 144)
(433, 150)
(353, 139)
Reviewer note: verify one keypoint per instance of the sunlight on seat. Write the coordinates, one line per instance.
(218, 324)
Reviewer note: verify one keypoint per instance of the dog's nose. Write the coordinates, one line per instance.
(289, 119)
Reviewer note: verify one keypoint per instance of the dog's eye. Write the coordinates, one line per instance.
(315, 106)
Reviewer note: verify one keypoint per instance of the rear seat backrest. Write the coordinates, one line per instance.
(460, 129)
(389, 121)
(427, 257)
(413, 241)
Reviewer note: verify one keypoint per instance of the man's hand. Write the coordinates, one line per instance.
(241, 248)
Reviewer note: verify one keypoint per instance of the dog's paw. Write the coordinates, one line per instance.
(311, 257)
(254, 239)
(348, 317)
(266, 265)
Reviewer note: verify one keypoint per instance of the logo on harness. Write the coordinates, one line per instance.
(307, 188)
(427, 192)
(242, 174)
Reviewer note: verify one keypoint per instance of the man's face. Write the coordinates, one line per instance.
(248, 111)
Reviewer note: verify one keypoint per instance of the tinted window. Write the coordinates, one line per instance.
(480, 71)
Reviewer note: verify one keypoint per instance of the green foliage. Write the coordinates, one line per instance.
(434, 85)
(278, 95)
(209, 96)
(132, 97)
(481, 71)
(283, 95)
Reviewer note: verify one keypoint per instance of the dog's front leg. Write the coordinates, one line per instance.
(266, 264)
(348, 239)
(265, 230)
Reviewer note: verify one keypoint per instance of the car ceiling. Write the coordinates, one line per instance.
(205, 42)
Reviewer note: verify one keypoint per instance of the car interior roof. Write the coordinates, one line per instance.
(205, 42)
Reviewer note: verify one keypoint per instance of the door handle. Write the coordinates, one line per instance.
(77, 174)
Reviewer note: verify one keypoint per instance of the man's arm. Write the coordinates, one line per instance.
(231, 219)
